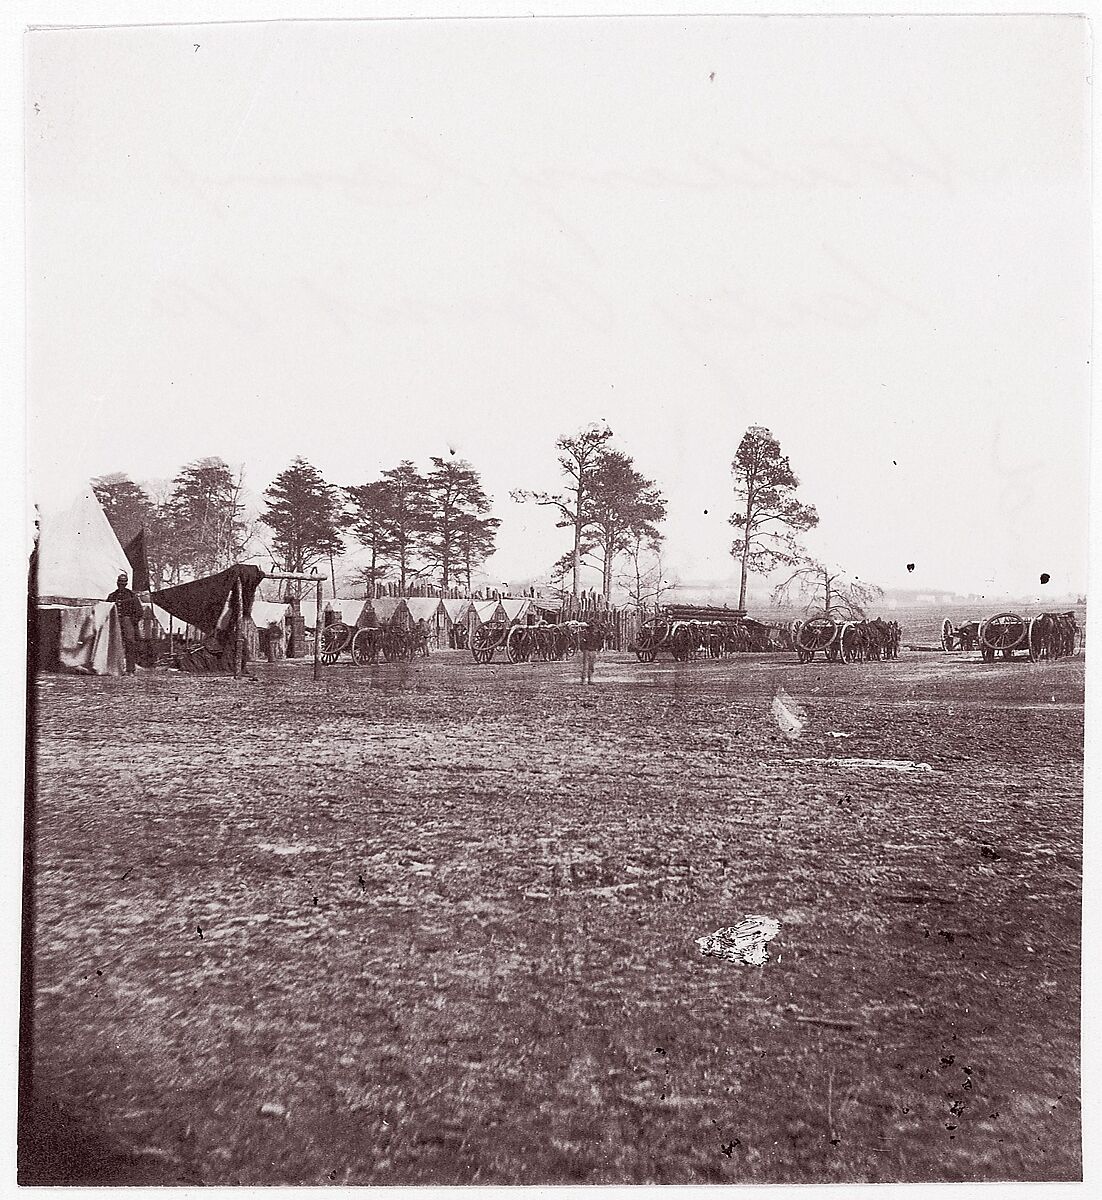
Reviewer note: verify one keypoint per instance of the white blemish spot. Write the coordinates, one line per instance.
(789, 715)
(743, 943)
(879, 764)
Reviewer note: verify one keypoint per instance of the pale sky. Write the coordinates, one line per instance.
(368, 242)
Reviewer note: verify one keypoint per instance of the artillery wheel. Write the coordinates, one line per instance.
(947, 634)
(515, 648)
(364, 648)
(334, 639)
(804, 656)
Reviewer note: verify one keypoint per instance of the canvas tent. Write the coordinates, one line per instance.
(79, 557)
(347, 611)
(210, 604)
(485, 611)
(77, 562)
(516, 610)
(388, 610)
(429, 609)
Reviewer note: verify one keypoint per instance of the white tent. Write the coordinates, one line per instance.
(488, 610)
(516, 610)
(348, 611)
(79, 561)
(424, 608)
(456, 610)
(79, 556)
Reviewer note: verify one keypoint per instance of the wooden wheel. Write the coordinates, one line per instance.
(334, 639)
(516, 645)
(947, 634)
(365, 647)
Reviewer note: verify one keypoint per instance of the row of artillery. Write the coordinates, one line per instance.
(1006, 635)
(691, 632)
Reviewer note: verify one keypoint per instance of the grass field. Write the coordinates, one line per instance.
(435, 924)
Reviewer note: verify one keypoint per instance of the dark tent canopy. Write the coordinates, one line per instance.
(203, 602)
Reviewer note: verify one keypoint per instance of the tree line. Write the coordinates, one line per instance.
(436, 525)
(433, 525)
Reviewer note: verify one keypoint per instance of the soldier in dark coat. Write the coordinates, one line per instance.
(591, 639)
(130, 611)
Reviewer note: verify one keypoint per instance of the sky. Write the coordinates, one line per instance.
(361, 243)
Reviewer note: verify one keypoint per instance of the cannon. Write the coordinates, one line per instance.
(847, 641)
(1044, 636)
(365, 645)
(960, 637)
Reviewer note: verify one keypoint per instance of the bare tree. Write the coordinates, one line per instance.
(825, 590)
(644, 579)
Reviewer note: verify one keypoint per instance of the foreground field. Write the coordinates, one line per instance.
(435, 924)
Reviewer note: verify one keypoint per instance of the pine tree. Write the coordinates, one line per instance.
(455, 518)
(303, 513)
(406, 519)
(206, 516)
(370, 511)
(578, 458)
(768, 513)
(127, 504)
(622, 506)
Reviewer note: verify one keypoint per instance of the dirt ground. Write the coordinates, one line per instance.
(436, 924)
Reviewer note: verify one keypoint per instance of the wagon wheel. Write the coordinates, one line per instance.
(514, 644)
(334, 639)
(481, 647)
(365, 649)
(1004, 632)
(947, 634)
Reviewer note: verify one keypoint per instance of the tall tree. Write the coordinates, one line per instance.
(127, 504)
(370, 511)
(303, 513)
(578, 458)
(621, 505)
(455, 514)
(475, 544)
(407, 518)
(767, 515)
(207, 515)
(825, 590)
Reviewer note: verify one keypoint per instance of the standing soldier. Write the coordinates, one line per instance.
(591, 640)
(130, 611)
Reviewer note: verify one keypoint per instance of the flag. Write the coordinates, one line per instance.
(139, 563)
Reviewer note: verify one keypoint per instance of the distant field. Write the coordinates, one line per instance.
(435, 924)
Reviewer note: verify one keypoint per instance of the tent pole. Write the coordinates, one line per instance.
(317, 634)
(239, 632)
